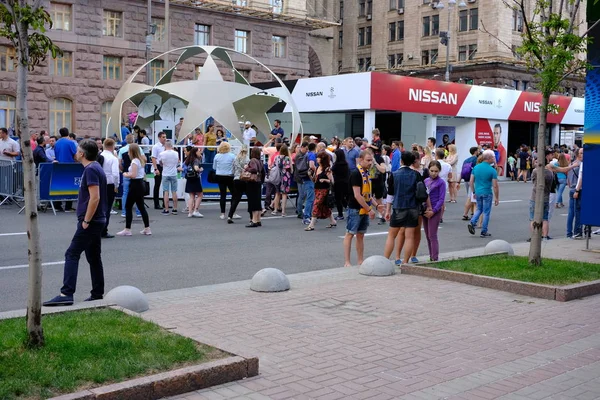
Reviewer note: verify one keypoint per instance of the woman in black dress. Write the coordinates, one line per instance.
(524, 157)
(341, 176)
(254, 189)
(193, 183)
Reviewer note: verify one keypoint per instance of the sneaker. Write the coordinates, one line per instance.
(235, 216)
(197, 214)
(306, 221)
(165, 212)
(274, 212)
(174, 212)
(548, 238)
(339, 218)
(300, 216)
(113, 212)
(70, 210)
(414, 260)
(529, 240)
(146, 231)
(398, 262)
(471, 228)
(596, 232)
(60, 300)
(222, 216)
(138, 215)
(441, 220)
(124, 232)
(107, 236)
(485, 235)
(229, 221)
(190, 215)
(381, 221)
(578, 236)
(94, 298)
(123, 215)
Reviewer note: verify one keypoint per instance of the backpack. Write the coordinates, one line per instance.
(465, 172)
(275, 173)
(302, 166)
(421, 194)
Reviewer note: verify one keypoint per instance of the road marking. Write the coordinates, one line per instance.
(13, 234)
(564, 215)
(27, 265)
(509, 201)
(279, 216)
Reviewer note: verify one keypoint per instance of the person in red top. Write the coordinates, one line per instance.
(501, 164)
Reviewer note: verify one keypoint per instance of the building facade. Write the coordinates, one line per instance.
(104, 42)
(403, 36)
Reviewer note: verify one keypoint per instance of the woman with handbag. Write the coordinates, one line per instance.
(137, 188)
(192, 167)
(253, 175)
(324, 198)
(239, 186)
(223, 167)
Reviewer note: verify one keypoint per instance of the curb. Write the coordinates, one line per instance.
(548, 292)
(174, 382)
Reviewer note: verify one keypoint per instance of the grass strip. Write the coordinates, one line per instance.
(552, 272)
(89, 348)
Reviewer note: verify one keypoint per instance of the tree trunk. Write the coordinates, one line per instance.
(35, 333)
(535, 249)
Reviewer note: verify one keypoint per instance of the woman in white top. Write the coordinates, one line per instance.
(137, 190)
(454, 180)
(223, 166)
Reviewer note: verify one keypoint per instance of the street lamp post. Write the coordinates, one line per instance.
(446, 35)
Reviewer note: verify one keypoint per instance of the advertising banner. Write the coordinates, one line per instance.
(445, 135)
(60, 181)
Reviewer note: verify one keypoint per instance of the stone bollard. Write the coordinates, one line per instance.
(377, 266)
(270, 280)
(128, 297)
(499, 246)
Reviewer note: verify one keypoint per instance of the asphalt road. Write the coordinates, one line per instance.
(186, 252)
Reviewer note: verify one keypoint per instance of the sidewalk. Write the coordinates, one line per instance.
(339, 335)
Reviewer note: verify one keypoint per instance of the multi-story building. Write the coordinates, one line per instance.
(104, 42)
(403, 36)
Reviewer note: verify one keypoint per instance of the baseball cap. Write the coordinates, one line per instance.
(248, 123)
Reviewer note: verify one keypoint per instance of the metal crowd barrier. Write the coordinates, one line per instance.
(11, 182)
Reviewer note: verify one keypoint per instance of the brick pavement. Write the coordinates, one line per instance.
(339, 335)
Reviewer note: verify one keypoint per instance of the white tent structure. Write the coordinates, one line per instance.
(227, 102)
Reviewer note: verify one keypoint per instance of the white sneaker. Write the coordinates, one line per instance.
(597, 232)
(235, 216)
(190, 215)
(197, 214)
(113, 212)
(222, 216)
(146, 232)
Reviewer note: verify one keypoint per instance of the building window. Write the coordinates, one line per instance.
(392, 30)
(62, 65)
(369, 7)
(473, 19)
(241, 3)
(61, 111)
(517, 20)
(516, 84)
(341, 9)
(368, 36)
(462, 53)
(276, 6)
(435, 25)
(393, 4)
(361, 36)
(281, 76)
(472, 51)
(104, 116)
(159, 34)
(399, 59)
(245, 73)
(202, 35)
(61, 16)
(367, 63)
(340, 39)
(361, 64)
(361, 8)
(111, 67)
(526, 86)
(400, 32)
(463, 21)
(433, 55)
(391, 61)
(112, 24)
(400, 3)
(425, 57)
(8, 109)
(157, 70)
(7, 58)
(426, 26)
(241, 41)
(278, 46)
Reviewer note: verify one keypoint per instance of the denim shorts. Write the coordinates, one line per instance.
(356, 223)
(169, 184)
(532, 210)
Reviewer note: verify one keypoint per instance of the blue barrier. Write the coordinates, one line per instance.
(59, 181)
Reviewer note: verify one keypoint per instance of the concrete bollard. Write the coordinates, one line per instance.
(128, 297)
(377, 266)
(499, 246)
(270, 280)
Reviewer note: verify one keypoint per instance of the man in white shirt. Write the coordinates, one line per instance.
(249, 134)
(169, 159)
(446, 171)
(157, 168)
(111, 170)
(9, 148)
(50, 155)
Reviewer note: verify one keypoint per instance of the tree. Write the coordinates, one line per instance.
(553, 48)
(24, 22)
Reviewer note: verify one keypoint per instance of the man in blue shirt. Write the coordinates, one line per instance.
(65, 150)
(277, 132)
(484, 180)
(309, 185)
(352, 153)
(397, 149)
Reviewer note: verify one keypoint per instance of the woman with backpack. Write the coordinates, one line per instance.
(192, 169)
(437, 195)
(283, 163)
(323, 179)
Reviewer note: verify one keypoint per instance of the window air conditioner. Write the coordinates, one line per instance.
(369, 17)
(401, 10)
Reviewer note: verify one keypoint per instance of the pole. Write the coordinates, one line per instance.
(148, 40)
(447, 75)
(167, 34)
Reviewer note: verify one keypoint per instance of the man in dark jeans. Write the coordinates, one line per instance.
(157, 168)
(91, 219)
